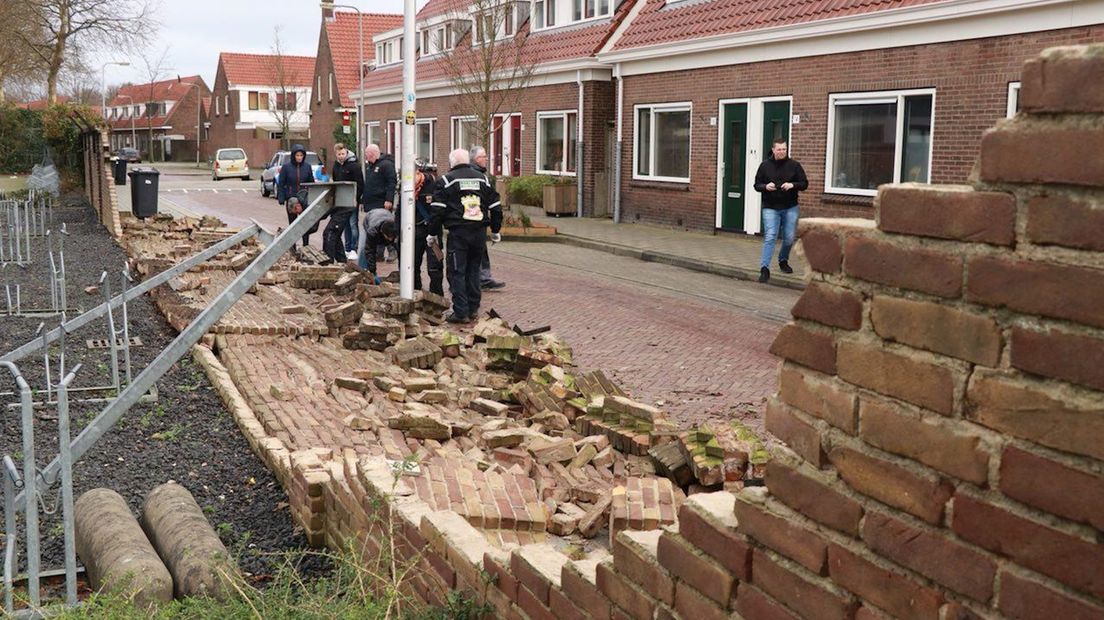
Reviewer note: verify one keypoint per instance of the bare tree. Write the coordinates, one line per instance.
(59, 30)
(17, 67)
(490, 68)
(284, 75)
(155, 68)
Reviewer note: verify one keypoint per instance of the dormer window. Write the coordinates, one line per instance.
(499, 22)
(544, 14)
(550, 13)
(436, 39)
(589, 9)
(388, 52)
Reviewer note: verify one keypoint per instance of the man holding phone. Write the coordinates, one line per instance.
(779, 179)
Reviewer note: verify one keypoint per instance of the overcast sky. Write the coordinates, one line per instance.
(195, 31)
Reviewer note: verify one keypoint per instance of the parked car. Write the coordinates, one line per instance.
(271, 174)
(129, 154)
(230, 163)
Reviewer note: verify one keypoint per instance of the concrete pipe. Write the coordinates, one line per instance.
(197, 559)
(115, 552)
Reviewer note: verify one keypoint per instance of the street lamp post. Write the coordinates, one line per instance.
(328, 4)
(406, 248)
(133, 132)
(103, 83)
(199, 108)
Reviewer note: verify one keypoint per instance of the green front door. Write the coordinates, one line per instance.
(776, 124)
(734, 156)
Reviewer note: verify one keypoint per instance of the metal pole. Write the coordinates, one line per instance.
(12, 481)
(45, 358)
(148, 285)
(61, 263)
(66, 461)
(30, 483)
(111, 334)
(183, 343)
(406, 248)
(126, 326)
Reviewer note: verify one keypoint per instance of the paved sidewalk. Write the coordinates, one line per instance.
(732, 255)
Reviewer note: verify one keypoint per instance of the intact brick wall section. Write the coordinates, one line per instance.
(971, 81)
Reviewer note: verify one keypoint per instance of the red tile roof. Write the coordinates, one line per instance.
(542, 47)
(40, 104)
(436, 8)
(258, 69)
(342, 35)
(662, 21)
(165, 90)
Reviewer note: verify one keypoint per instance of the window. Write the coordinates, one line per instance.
(394, 139)
(371, 134)
(318, 89)
(486, 30)
(331, 86)
(423, 139)
(544, 13)
(663, 142)
(464, 132)
(253, 104)
(263, 101)
(226, 103)
(877, 138)
(389, 51)
(1013, 99)
(286, 101)
(508, 13)
(556, 140)
(217, 106)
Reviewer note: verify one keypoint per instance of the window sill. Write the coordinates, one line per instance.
(671, 186)
(847, 199)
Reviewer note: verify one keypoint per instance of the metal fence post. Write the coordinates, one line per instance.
(66, 460)
(12, 481)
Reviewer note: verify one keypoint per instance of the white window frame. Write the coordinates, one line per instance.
(394, 135)
(432, 122)
(217, 112)
(368, 127)
(563, 115)
(453, 131)
(582, 11)
(1013, 99)
(544, 24)
(226, 103)
(318, 89)
(675, 106)
(885, 96)
(331, 86)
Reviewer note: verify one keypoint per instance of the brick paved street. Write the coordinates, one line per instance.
(696, 341)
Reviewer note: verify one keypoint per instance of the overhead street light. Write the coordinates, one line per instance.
(103, 82)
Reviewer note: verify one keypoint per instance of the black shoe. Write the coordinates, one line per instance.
(452, 318)
(764, 274)
(785, 266)
(492, 285)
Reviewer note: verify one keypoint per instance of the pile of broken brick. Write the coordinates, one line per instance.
(473, 407)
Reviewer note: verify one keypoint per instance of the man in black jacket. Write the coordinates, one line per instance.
(465, 203)
(478, 157)
(424, 182)
(379, 187)
(290, 192)
(779, 179)
(346, 168)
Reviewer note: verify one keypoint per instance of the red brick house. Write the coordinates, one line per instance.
(567, 105)
(868, 92)
(335, 70)
(159, 118)
(253, 94)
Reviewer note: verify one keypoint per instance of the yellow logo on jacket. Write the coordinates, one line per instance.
(472, 207)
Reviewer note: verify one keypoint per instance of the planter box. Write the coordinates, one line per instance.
(559, 199)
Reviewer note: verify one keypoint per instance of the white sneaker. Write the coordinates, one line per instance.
(351, 255)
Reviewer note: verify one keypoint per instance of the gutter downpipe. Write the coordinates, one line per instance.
(617, 153)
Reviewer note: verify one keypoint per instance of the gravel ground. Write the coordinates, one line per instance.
(186, 435)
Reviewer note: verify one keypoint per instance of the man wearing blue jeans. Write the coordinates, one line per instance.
(779, 179)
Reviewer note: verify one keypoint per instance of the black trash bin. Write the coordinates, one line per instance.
(120, 164)
(143, 191)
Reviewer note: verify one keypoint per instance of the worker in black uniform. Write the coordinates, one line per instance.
(424, 180)
(465, 203)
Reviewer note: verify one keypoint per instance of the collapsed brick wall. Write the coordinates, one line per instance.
(941, 402)
(99, 180)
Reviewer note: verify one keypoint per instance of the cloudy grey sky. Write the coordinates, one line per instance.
(195, 31)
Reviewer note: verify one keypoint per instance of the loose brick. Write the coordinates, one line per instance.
(947, 212)
(902, 375)
(931, 554)
(1063, 79)
(798, 592)
(701, 572)
(634, 555)
(1010, 404)
(830, 305)
(689, 603)
(1043, 151)
(891, 591)
(1024, 599)
(811, 497)
(1061, 219)
(752, 603)
(623, 594)
(819, 396)
(912, 268)
(1071, 560)
(1060, 355)
(780, 534)
(935, 445)
(706, 521)
(823, 250)
(921, 496)
(1046, 289)
(1051, 486)
(815, 350)
(801, 437)
(578, 580)
(937, 328)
